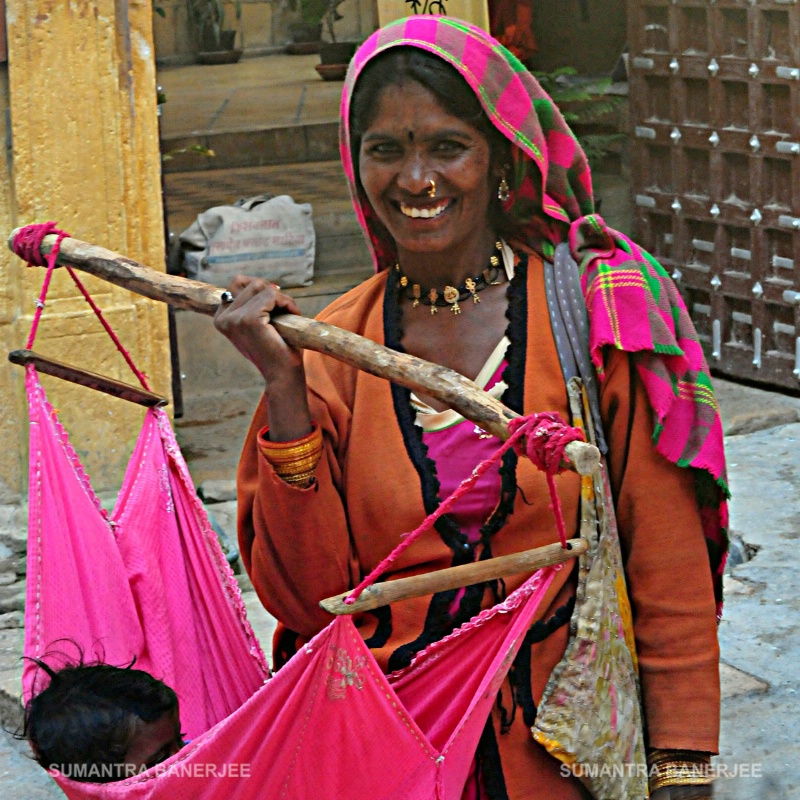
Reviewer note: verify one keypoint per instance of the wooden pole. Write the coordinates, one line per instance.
(382, 594)
(100, 383)
(444, 384)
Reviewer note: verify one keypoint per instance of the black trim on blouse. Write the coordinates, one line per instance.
(440, 621)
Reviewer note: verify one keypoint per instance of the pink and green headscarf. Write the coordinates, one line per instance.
(633, 304)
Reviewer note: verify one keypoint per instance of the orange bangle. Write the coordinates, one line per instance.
(295, 461)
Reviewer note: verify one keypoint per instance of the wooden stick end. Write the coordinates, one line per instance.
(12, 237)
(335, 605)
(584, 457)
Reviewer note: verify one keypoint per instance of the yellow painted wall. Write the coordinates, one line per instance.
(81, 92)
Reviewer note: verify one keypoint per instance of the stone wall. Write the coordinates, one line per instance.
(13, 541)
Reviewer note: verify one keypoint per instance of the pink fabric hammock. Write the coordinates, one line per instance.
(151, 581)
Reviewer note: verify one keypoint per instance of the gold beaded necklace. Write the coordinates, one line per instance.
(451, 295)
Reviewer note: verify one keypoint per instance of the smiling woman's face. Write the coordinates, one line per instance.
(410, 141)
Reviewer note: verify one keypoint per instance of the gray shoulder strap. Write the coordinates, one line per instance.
(570, 326)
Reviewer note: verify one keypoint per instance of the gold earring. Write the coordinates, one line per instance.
(432, 190)
(503, 190)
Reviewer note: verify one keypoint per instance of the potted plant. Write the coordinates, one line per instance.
(215, 41)
(306, 30)
(334, 55)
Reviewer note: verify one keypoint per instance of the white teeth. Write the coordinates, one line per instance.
(425, 213)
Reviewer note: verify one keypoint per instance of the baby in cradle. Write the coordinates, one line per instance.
(99, 723)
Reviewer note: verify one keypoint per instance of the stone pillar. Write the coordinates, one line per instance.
(78, 114)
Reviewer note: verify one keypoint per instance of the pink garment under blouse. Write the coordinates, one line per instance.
(456, 450)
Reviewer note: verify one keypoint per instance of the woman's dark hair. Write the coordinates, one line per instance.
(398, 65)
(86, 717)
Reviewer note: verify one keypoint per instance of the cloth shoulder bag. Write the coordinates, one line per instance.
(590, 716)
(264, 236)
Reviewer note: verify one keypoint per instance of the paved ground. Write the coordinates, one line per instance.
(269, 92)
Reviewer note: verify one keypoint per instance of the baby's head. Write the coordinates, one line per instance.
(99, 723)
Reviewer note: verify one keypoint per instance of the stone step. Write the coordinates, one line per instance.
(272, 110)
(291, 144)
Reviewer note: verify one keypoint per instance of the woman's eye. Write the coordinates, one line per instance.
(384, 149)
(449, 147)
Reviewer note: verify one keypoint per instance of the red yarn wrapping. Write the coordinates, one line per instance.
(544, 445)
(27, 245)
(541, 437)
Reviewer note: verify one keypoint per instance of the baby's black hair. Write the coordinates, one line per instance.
(87, 716)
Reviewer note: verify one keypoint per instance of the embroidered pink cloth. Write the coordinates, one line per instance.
(331, 724)
(150, 580)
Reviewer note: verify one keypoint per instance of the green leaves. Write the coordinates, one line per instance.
(207, 17)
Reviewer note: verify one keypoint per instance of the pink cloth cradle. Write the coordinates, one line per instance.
(151, 581)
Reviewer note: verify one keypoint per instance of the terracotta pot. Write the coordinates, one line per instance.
(219, 56)
(331, 72)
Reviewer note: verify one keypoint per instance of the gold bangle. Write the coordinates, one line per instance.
(306, 478)
(314, 455)
(294, 462)
(678, 768)
(295, 467)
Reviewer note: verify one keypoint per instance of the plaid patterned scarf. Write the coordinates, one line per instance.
(633, 304)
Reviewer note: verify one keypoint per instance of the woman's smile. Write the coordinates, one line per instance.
(425, 212)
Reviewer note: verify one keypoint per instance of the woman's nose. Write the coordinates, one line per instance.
(415, 176)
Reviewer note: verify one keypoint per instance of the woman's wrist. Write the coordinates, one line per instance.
(287, 408)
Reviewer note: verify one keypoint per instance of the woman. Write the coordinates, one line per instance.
(464, 176)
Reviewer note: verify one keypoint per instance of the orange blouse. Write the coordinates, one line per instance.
(302, 545)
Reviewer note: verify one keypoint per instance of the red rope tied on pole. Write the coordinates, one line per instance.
(27, 245)
(544, 444)
(541, 437)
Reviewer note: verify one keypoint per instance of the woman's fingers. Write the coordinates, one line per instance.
(239, 282)
(251, 299)
(246, 322)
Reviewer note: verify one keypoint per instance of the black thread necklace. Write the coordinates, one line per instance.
(451, 295)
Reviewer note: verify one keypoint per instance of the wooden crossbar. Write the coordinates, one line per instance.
(382, 594)
(100, 383)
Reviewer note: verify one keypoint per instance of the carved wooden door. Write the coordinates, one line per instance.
(715, 108)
